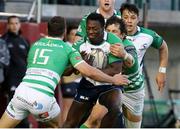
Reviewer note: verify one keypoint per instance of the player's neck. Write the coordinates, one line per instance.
(58, 38)
(106, 14)
(97, 41)
(133, 31)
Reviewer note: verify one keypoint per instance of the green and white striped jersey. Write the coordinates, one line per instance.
(142, 40)
(133, 73)
(47, 60)
(82, 26)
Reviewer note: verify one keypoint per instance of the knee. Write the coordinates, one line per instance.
(114, 110)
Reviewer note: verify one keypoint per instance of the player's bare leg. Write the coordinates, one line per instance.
(7, 122)
(96, 116)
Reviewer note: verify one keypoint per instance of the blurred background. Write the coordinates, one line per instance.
(163, 16)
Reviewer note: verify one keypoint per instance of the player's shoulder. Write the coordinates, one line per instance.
(151, 33)
(147, 31)
(86, 15)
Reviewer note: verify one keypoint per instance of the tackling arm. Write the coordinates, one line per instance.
(98, 75)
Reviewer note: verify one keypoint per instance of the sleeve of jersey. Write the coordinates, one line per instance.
(75, 58)
(130, 48)
(112, 39)
(82, 28)
(113, 58)
(157, 41)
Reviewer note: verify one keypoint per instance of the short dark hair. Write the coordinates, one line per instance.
(96, 17)
(129, 7)
(56, 26)
(71, 27)
(116, 20)
(11, 17)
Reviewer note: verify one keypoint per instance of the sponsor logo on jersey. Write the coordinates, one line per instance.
(144, 46)
(37, 106)
(24, 101)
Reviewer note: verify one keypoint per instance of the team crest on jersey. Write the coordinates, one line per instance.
(78, 58)
(144, 46)
(37, 106)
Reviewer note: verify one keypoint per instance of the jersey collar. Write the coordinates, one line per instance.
(53, 38)
(137, 32)
(105, 35)
(97, 11)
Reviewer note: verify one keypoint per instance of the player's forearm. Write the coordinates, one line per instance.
(98, 75)
(163, 55)
(94, 73)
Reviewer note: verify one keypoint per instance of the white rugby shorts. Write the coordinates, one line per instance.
(134, 101)
(27, 100)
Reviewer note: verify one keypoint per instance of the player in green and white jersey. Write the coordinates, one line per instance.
(142, 39)
(133, 94)
(130, 68)
(47, 60)
(91, 91)
(106, 9)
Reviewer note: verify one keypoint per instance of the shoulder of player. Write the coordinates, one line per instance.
(85, 16)
(147, 31)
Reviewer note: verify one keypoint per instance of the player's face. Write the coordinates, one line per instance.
(71, 36)
(131, 20)
(106, 5)
(94, 30)
(14, 25)
(114, 28)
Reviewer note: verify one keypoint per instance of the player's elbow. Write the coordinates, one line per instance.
(164, 47)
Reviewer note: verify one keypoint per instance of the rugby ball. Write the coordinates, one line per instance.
(100, 58)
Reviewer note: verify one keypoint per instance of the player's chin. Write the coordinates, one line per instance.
(92, 37)
(129, 29)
